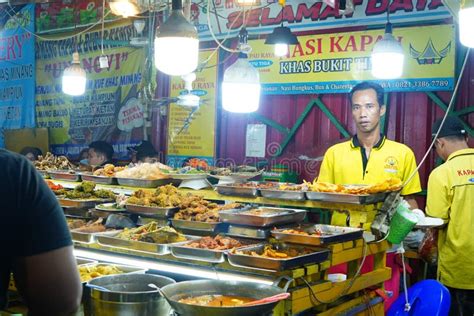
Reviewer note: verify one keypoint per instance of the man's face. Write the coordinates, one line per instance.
(366, 110)
(95, 159)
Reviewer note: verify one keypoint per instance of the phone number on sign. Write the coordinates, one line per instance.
(405, 84)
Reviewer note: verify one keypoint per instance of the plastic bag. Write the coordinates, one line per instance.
(428, 248)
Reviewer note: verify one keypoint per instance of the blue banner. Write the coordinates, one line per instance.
(17, 68)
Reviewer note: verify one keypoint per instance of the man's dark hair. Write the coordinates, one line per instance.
(365, 85)
(103, 148)
(456, 138)
(34, 150)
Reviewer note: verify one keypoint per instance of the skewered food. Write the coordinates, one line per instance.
(52, 162)
(90, 272)
(153, 234)
(108, 170)
(217, 243)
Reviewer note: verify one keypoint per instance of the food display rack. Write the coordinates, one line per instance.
(355, 291)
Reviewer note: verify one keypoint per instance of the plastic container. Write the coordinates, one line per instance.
(401, 224)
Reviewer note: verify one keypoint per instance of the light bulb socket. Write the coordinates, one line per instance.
(282, 35)
(75, 58)
(177, 5)
(243, 36)
(388, 28)
(176, 26)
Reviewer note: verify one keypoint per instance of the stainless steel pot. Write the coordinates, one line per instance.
(128, 295)
(174, 292)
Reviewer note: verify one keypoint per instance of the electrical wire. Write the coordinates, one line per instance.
(208, 15)
(349, 285)
(450, 105)
(407, 303)
(102, 32)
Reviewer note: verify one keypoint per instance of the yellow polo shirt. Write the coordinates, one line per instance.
(346, 163)
(451, 197)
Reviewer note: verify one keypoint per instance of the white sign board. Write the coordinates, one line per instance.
(256, 140)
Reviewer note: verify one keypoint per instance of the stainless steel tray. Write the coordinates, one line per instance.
(248, 232)
(43, 173)
(194, 226)
(64, 175)
(90, 238)
(82, 261)
(283, 194)
(85, 203)
(143, 220)
(318, 255)
(179, 250)
(151, 211)
(141, 183)
(184, 176)
(236, 190)
(125, 269)
(280, 216)
(347, 198)
(98, 179)
(147, 247)
(330, 234)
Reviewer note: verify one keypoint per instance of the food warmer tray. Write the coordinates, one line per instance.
(81, 203)
(260, 233)
(43, 173)
(142, 183)
(199, 228)
(283, 194)
(141, 246)
(179, 250)
(236, 190)
(89, 238)
(83, 261)
(64, 175)
(159, 212)
(347, 198)
(280, 216)
(98, 179)
(317, 256)
(330, 234)
(124, 268)
(185, 176)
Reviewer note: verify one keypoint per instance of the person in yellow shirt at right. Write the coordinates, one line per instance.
(451, 197)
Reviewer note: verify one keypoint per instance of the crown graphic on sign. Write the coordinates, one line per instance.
(430, 55)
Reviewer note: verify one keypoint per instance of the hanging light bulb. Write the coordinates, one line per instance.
(176, 44)
(281, 37)
(387, 56)
(466, 23)
(74, 77)
(124, 8)
(241, 84)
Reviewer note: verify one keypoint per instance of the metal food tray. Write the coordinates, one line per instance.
(151, 211)
(64, 175)
(141, 246)
(43, 173)
(98, 179)
(330, 234)
(142, 183)
(195, 226)
(84, 261)
(281, 216)
(248, 261)
(248, 232)
(84, 203)
(90, 238)
(124, 268)
(179, 250)
(237, 176)
(283, 194)
(347, 198)
(235, 190)
(191, 176)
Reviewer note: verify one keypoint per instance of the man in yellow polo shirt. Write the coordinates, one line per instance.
(368, 157)
(451, 197)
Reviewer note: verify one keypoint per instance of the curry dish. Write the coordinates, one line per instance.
(217, 300)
